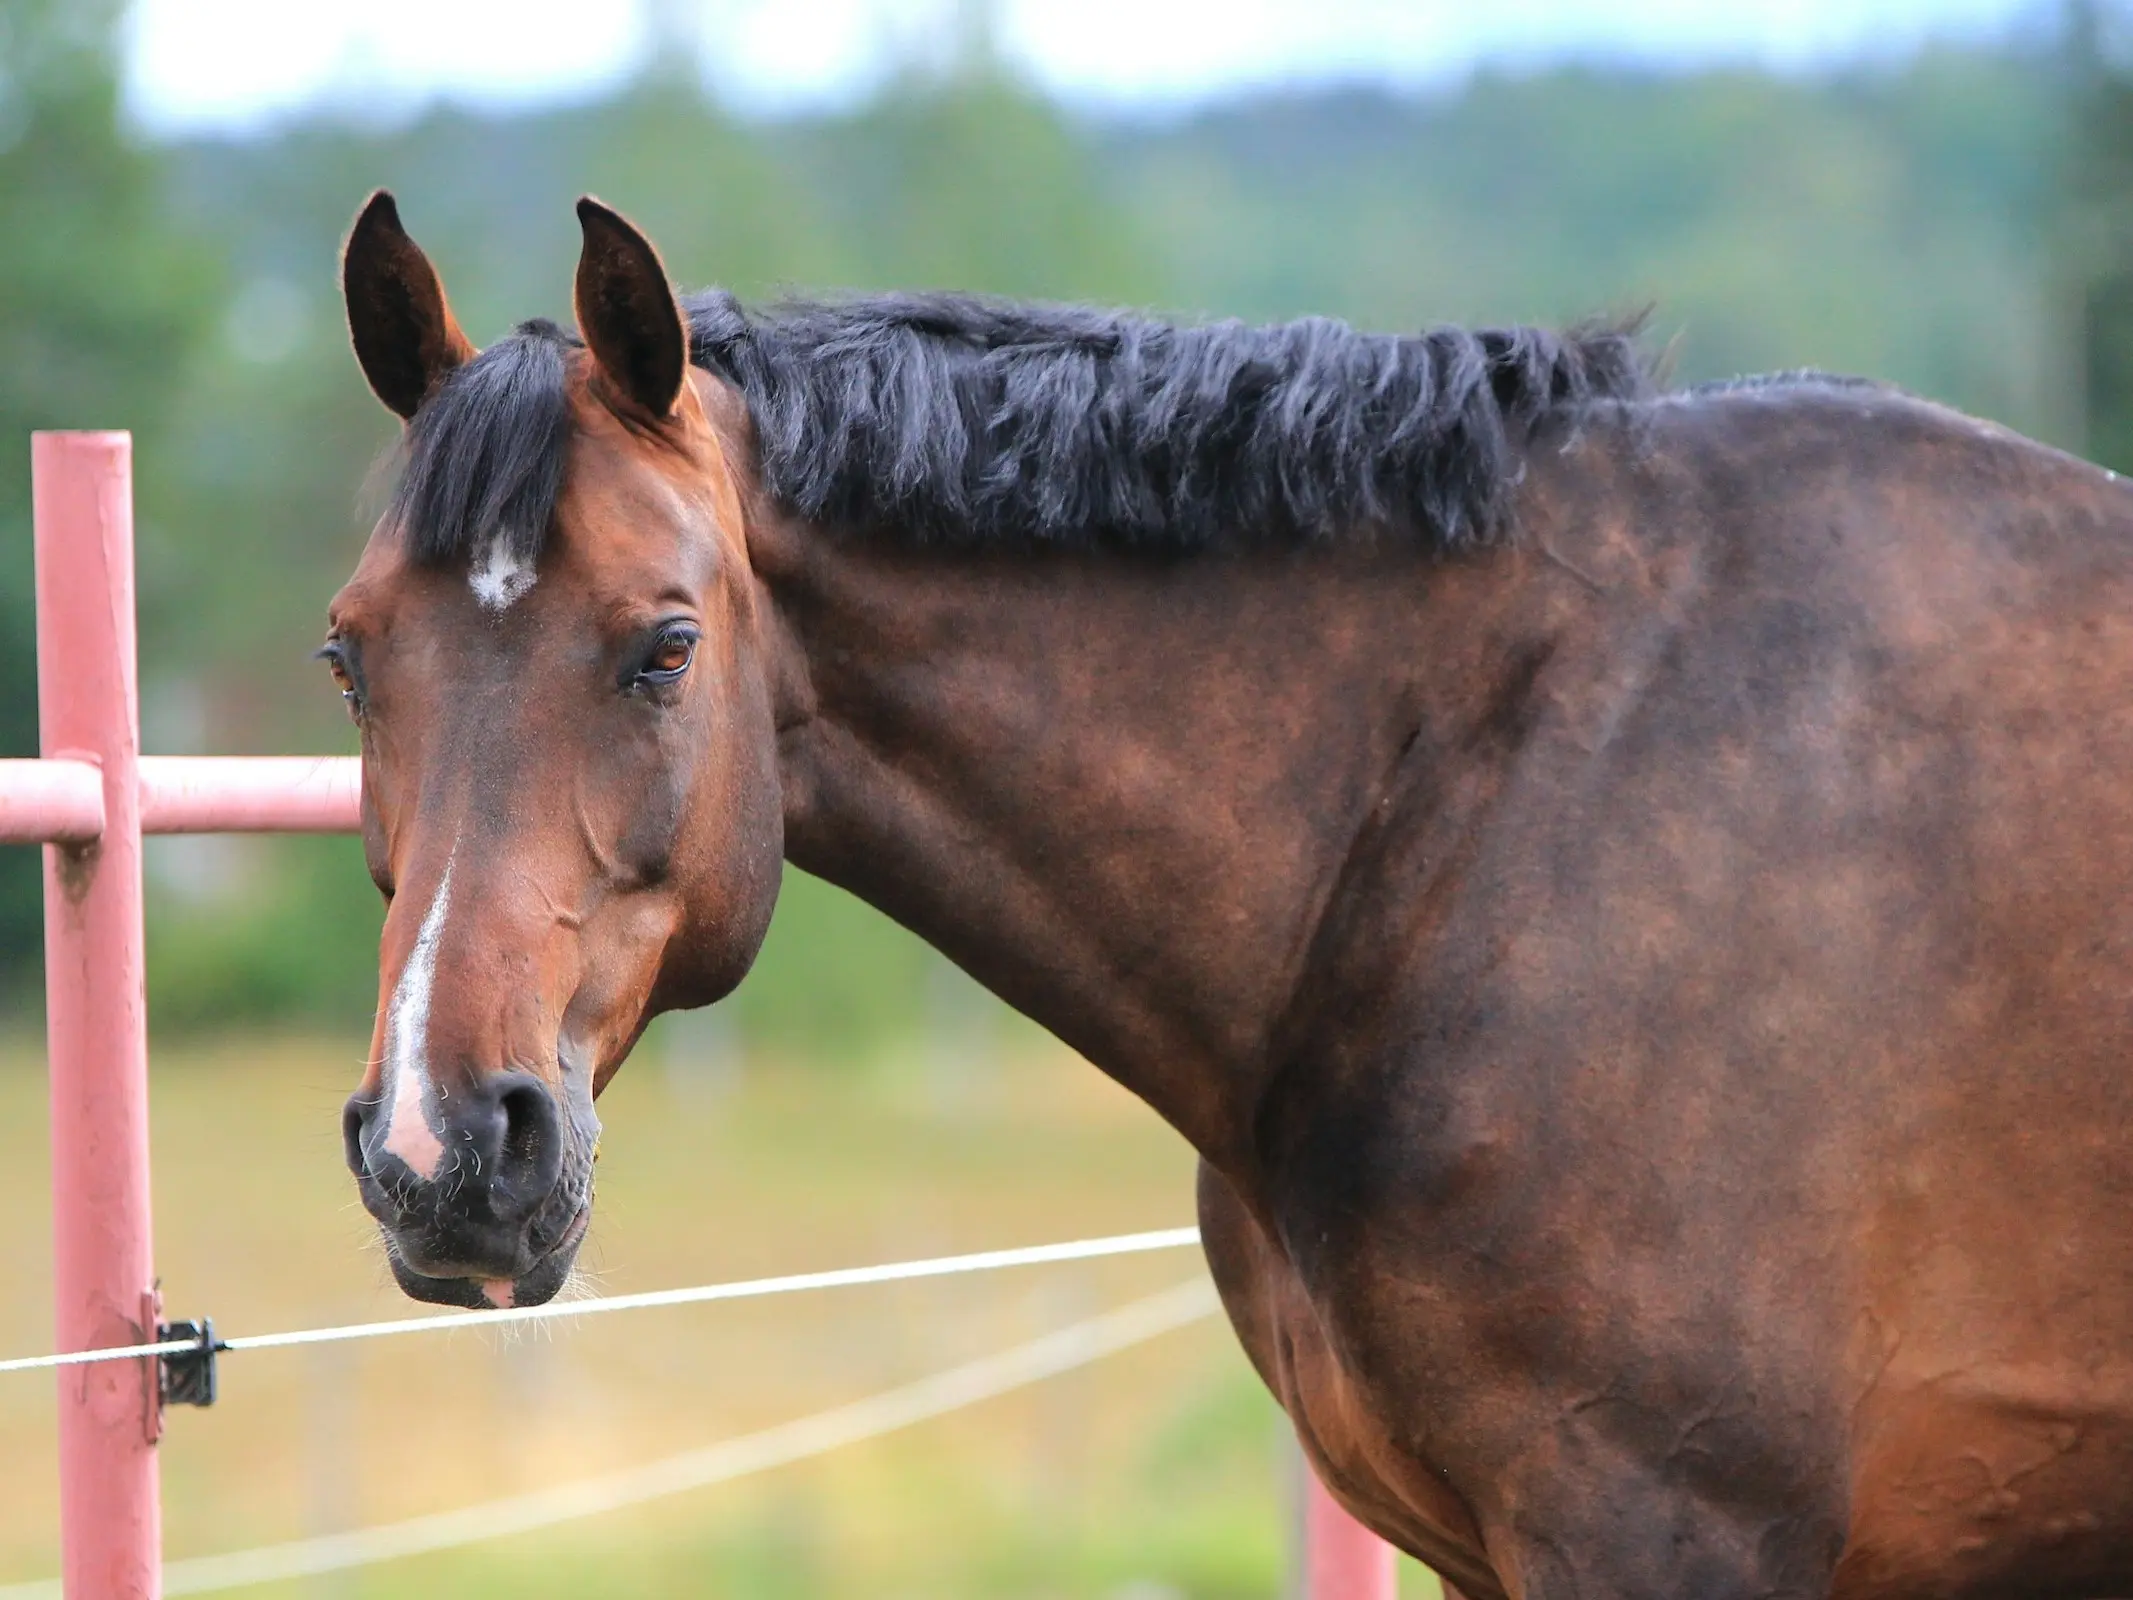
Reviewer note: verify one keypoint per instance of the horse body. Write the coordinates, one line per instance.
(1648, 992)
(1703, 1158)
(1652, 997)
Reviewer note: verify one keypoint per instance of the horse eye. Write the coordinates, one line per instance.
(671, 654)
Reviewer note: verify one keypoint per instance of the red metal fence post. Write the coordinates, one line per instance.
(96, 1006)
(1343, 1560)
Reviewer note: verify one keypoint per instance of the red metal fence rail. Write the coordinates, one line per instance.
(89, 801)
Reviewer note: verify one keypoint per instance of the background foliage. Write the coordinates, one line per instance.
(1930, 223)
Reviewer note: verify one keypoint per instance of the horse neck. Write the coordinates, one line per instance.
(1119, 792)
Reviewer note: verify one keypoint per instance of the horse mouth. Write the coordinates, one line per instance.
(537, 1285)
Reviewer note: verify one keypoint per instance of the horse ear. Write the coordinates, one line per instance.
(405, 336)
(627, 311)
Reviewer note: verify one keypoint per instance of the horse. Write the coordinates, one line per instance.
(1628, 890)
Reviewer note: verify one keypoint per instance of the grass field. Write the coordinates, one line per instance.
(1159, 1472)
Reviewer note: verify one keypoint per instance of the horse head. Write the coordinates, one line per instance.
(552, 646)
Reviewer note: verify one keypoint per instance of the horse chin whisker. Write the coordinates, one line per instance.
(583, 1283)
(505, 1334)
(379, 1247)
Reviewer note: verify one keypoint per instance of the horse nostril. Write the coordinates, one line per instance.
(529, 1153)
(529, 1118)
(354, 1116)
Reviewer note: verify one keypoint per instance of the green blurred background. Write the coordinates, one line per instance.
(1956, 217)
(1938, 220)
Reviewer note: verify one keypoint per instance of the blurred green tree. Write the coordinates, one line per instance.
(101, 302)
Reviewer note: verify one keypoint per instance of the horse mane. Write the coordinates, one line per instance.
(964, 421)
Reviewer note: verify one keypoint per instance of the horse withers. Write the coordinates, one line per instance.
(1629, 893)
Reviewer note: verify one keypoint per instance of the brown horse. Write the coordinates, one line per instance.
(1630, 894)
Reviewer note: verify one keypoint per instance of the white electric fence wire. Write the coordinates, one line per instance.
(1124, 1244)
(1075, 1345)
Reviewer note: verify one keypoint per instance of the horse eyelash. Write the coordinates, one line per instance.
(331, 652)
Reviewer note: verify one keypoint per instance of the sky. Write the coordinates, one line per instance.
(196, 65)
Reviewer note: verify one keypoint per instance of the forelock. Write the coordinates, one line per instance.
(482, 463)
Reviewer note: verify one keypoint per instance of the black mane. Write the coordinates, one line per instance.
(968, 421)
(952, 419)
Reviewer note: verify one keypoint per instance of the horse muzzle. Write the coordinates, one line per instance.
(499, 1218)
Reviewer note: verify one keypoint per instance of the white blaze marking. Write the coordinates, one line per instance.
(500, 578)
(409, 1135)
